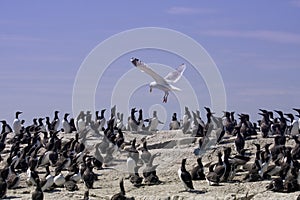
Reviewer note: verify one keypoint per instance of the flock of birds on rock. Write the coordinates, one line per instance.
(39, 147)
(276, 161)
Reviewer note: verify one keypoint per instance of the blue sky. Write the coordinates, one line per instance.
(255, 44)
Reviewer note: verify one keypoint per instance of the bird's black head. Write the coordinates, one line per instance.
(18, 113)
(183, 161)
(134, 61)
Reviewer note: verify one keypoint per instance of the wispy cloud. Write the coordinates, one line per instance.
(296, 3)
(265, 92)
(180, 10)
(274, 36)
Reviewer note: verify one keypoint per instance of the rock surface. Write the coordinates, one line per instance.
(173, 146)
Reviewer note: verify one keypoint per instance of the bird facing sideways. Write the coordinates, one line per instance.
(162, 83)
(185, 176)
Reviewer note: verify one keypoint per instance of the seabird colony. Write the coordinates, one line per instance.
(48, 160)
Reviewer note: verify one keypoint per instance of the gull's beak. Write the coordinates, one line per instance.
(150, 89)
(134, 61)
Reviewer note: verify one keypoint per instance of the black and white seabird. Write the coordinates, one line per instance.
(149, 172)
(5, 127)
(282, 122)
(120, 138)
(212, 177)
(37, 194)
(174, 124)
(120, 121)
(133, 152)
(88, 176)
(294, 124)
(17, 123)
(70, 184)
(186, 121)
(13, 178)
(59, 179)
(247, 128)
(132, 122)
(55, 122)
(121, 194)
(276, 185)
(217, 171)
(198, 125)
(298, 111)
(253, 173)
(208, 126)
(197, 172)
(140, 121)
(134, 177)
(3, 137)
(86, 195)
(227, 123)
(72, 125)
(104, 144)
(153, 122)
(65, 123)
(32, 174)
(47, 182)
(98, 158)
(64, 162)
(239, 142)
(41, 126)
(49, 157)
(145, 155)
(131, 164)
(185, 176)
(239, 160)
(74, 173)
(100, 119)
(88, 118)
(290, 182)
(80, 122)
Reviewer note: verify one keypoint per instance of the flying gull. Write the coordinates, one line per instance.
(159, 82)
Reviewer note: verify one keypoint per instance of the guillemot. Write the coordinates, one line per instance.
(185, 176)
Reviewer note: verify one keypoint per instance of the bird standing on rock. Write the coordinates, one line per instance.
(239, 142)
(197, 172)
(17, 123)
(66, 124)
(153, 122)
(5, 127)
(37, 194)
(185, 176)
(56, 121)
(186, 121)
(121, 194)
(174, 124)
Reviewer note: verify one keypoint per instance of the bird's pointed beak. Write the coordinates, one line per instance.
(134, 61)
(150, 89)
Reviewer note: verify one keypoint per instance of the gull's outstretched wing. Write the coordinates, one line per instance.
(145, 68)
(175, 75)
